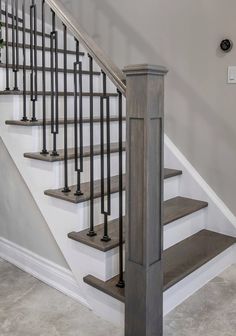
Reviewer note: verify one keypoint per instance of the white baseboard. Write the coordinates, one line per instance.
(48, 272)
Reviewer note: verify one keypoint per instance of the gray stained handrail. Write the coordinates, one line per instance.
(110, 69)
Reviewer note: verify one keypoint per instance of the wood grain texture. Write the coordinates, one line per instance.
(171, 213)
(48, 93)
(114, 148)
(144, 200)
(179, 261)
(85, 187)
(48, 122)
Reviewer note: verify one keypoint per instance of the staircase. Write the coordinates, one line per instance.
(63, 121)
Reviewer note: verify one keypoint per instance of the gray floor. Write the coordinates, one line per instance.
(30, 308)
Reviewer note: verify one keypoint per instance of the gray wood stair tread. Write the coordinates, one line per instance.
(174, 209)
(48, 122)
(71, 153)
(85, 188)
(48, 93)
(97, 151)
(48, 69)
(179, 261)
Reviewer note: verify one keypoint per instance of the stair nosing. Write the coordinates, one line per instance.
(96, 243)
(70, 197)
(71, 153)
(39, 123)
(60, 94)
(119, 294)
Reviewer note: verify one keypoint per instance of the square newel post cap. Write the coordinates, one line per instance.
(145, 69)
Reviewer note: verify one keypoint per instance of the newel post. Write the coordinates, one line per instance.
(144, 200)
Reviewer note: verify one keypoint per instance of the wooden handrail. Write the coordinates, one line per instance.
(111, 70)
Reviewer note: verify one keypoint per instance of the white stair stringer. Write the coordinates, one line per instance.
(219, 217)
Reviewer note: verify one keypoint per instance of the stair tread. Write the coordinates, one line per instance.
(48, 69)
(85, 188)
(48, 93)
(174, 209)
(71, 153)
(179, 261)
(48, 121)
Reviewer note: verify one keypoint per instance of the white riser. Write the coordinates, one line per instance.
(173, 234)
(58, 168)
(97, 87)
(70, 82)
(114, 127)
(113, 310)
(48, 29)
(14, 104)
(70, 58)
(85, 176)
(35, 144)
(171, 186)
(184, 228)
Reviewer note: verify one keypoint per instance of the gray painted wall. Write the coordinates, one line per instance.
(20, 219)
(184, 36)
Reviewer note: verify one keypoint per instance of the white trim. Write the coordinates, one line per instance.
(184, 289)
(201, 182)
(47, 271)
(107, 307)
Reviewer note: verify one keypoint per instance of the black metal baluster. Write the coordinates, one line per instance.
(54, 85)
(15, 42)
(121, 282)
(44, 150)
(13, 34)
(33, 58)
(1, 29)
(106, 211)
(24, 118)
(7, 46)
(78, 169)
(66, 187)
(91, 232)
